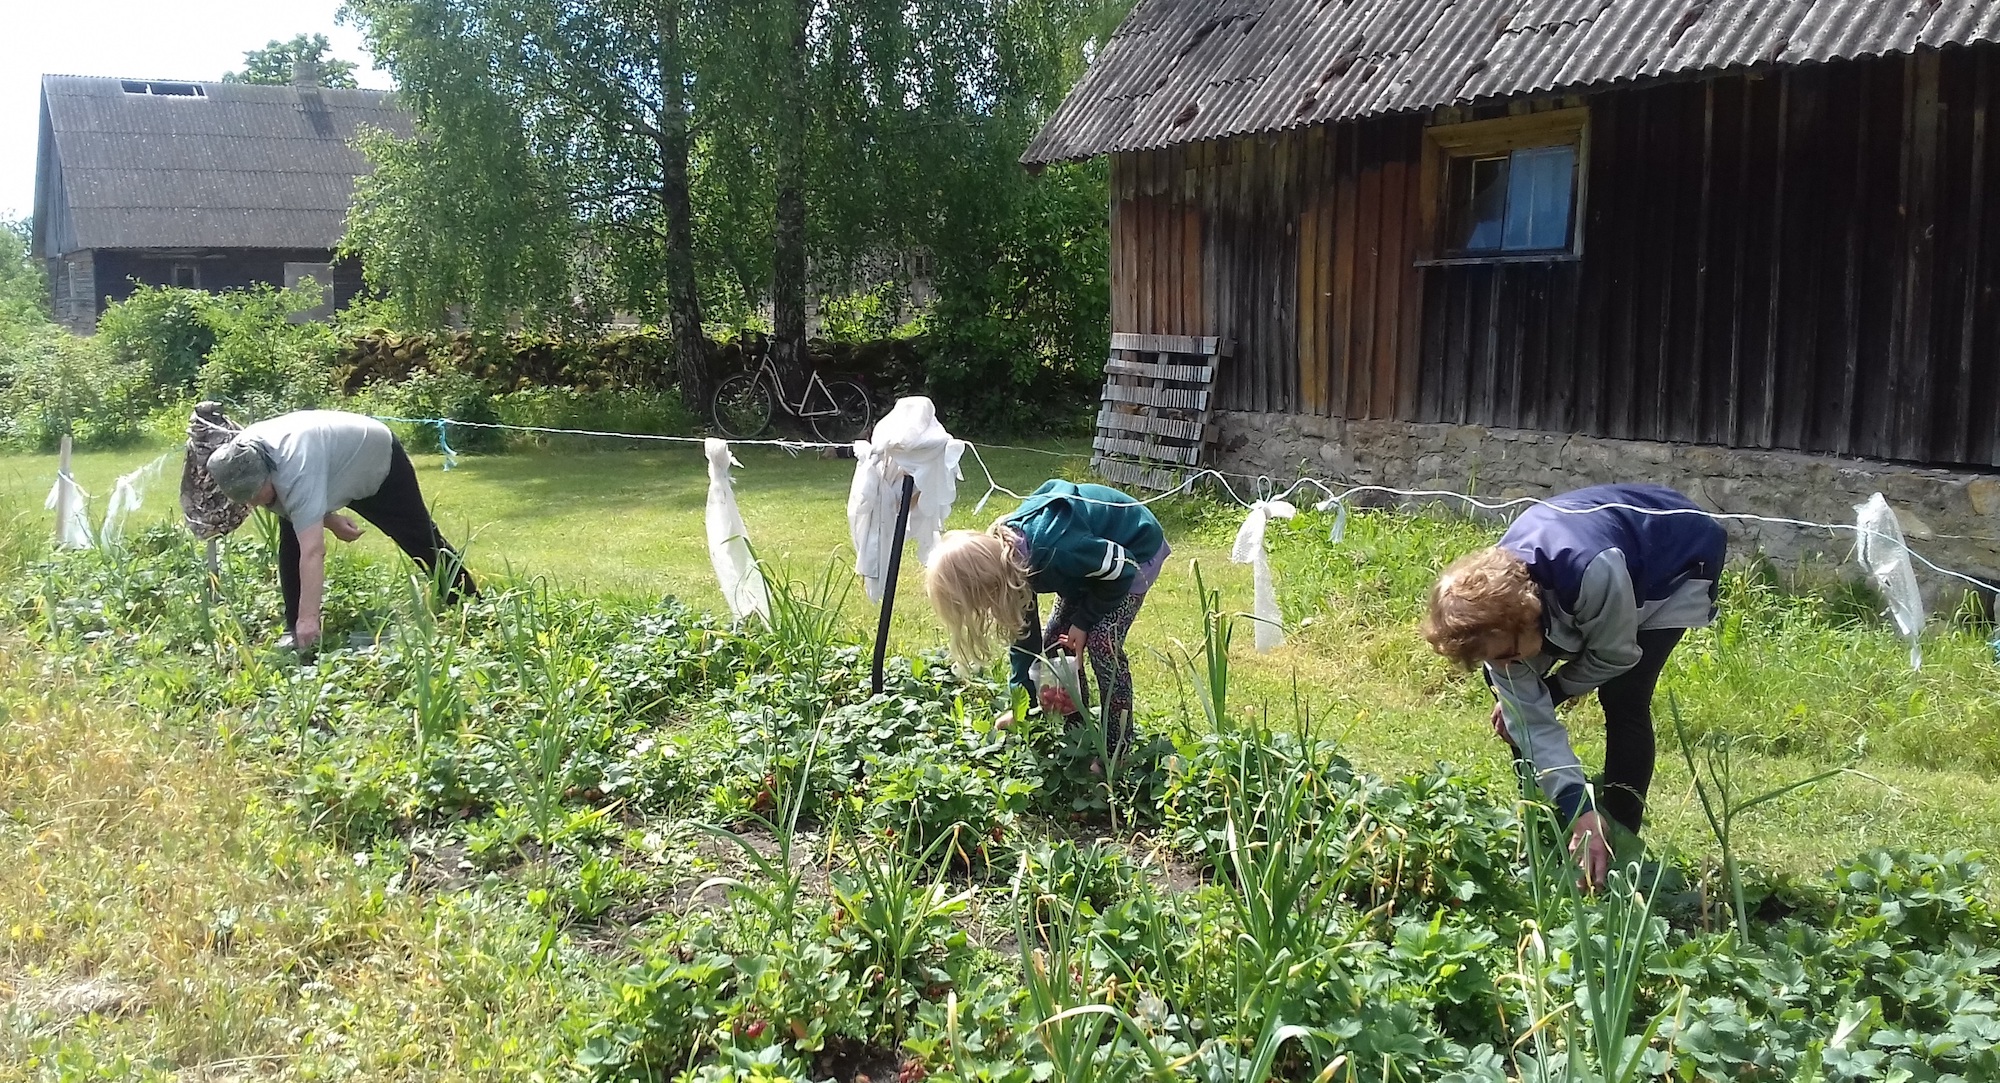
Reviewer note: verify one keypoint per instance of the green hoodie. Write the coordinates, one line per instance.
(1085, 551)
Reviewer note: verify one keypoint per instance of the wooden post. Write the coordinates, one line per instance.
(214, 570)
(889, 581)
(64, 491)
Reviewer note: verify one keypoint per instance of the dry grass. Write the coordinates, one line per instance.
(159, 914)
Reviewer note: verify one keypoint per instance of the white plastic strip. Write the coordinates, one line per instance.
(127, 495)
(1249, 549)
(1885, 556)
(736, 570)
(68, 499)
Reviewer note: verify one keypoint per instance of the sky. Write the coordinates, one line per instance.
(142, 39)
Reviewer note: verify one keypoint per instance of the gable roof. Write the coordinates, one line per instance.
(150, 164)
(1183, 71)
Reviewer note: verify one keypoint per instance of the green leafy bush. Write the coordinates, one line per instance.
(164, 332)
(865, 316)
(24, 290)
(58, 385)
(266, 362)
(450, 395)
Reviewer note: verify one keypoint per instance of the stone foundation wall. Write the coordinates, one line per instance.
(1951, 517)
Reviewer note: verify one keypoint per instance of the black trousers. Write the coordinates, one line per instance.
(1629, 745)
(397, 510)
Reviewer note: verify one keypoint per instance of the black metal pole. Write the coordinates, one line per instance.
(889, 581)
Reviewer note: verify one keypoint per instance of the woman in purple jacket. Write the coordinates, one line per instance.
(1588, 592)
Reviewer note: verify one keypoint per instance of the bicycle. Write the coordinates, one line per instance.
(838, 411)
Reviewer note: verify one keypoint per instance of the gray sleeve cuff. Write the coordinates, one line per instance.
(1529, 711)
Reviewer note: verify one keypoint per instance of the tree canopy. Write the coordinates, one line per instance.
(23, 291)
(273, 64)
(691, 159)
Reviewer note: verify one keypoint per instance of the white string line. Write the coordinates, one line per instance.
(1332, 496)
(788, 445)
(1030, 450)
(1342, 496)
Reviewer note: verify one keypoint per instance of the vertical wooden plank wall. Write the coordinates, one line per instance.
(1804, 258)
(1797, 260)
(1801, 259)
(1157, 251)
(1200, 246)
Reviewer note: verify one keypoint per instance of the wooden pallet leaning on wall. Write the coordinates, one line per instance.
(1152, 426)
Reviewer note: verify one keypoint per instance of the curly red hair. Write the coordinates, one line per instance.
(1484, 598)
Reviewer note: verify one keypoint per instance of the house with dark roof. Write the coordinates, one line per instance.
(206, 185)
(1748, 248)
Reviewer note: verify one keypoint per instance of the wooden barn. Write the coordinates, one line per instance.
(1525, 243)
(207, 185)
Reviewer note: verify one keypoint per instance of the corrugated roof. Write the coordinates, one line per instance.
(237, 166)
(1183, 71)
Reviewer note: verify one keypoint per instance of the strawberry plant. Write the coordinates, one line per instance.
(819, 882)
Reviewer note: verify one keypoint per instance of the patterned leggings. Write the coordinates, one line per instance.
(1105, 646)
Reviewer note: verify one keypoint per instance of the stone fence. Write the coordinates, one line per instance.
(1951, 517)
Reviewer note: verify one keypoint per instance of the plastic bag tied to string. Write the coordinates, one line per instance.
(1249, 549)
(451, 457)
(736, 570)
(127, 495)
(73, 532)
(1338, 507)
(1885, 556)
(907, 442)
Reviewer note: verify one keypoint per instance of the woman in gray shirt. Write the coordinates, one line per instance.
(306, 466)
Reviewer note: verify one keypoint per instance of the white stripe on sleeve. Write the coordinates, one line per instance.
(1114, 561)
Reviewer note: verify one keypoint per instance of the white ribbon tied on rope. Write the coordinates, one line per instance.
(73, 532)
(1885, 556)
(907, 442)
(1249, 549)
(736, 569)
(127, 495)
(1339, 509)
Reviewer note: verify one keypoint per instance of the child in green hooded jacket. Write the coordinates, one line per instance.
(1095, 548)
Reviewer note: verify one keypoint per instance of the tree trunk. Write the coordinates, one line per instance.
(788, 272)
(683, 300)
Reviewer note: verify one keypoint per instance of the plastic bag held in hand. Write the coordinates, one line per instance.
(1057, 687)
(1880, 548)
(1249, 549)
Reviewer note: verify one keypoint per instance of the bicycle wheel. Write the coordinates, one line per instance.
(852, 412)
(742, 406)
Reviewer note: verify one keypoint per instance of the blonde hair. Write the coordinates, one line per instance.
(978, 583)
(1482, 598)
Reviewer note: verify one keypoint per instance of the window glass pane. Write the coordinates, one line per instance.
(1538, 198)
(1478, 203)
